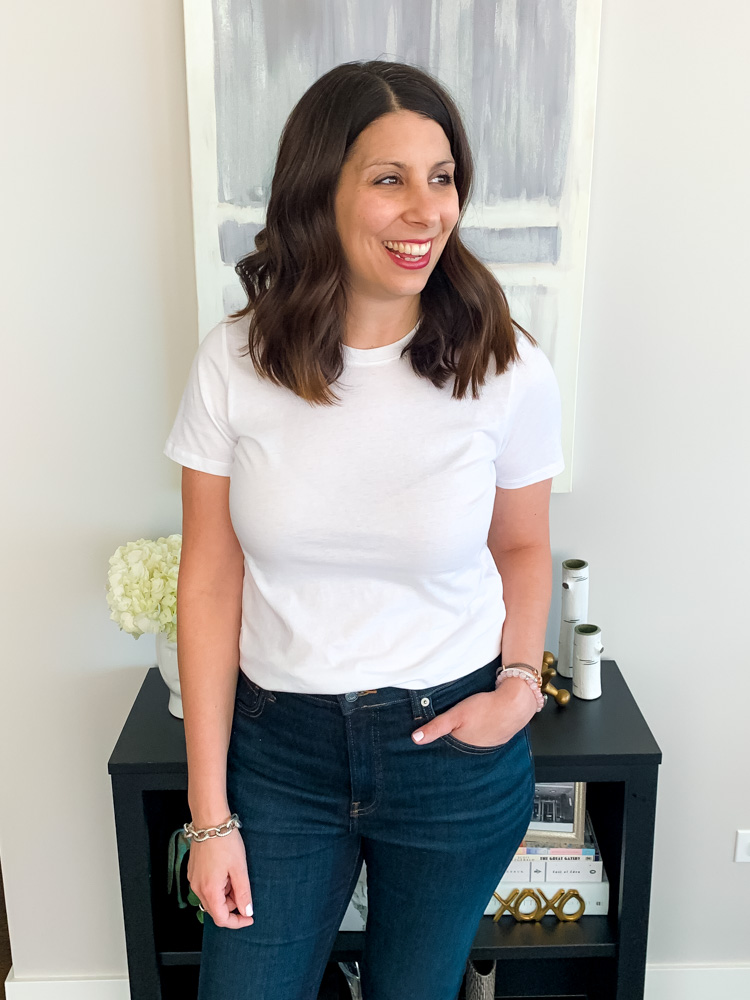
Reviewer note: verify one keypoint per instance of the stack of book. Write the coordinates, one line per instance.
(535, 866)
(550, 868)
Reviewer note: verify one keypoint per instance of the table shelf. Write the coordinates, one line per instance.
(605, 743)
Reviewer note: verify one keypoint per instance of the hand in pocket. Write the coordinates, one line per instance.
(486, 719)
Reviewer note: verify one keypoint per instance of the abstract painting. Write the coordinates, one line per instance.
(523, 73)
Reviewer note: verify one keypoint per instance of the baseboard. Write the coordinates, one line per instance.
(696, 982)
(66, 989)
(663, 982)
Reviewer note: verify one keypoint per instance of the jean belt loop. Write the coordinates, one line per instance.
(416, 709)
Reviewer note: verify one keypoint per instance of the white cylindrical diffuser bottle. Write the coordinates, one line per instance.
(575, 609)
(587, 662)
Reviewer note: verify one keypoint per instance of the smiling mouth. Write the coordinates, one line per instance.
(408, 251)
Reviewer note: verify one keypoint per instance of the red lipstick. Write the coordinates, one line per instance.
(410, 265)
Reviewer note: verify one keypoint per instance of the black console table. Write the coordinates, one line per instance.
(605, 743)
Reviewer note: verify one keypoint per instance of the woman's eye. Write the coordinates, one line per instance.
(445, 179)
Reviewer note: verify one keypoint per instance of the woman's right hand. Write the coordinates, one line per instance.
(217, 873)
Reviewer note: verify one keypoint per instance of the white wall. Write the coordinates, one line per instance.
(662, 427)
(99, 321)
(99, 327)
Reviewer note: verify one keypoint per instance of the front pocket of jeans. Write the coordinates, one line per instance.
(446, 699)
(251, 698)
(457, 744)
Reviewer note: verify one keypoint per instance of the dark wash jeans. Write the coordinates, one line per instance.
(321, 782)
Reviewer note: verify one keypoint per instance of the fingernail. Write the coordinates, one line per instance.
(417, 737)
(249, 910)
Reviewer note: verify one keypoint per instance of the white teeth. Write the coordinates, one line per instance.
(411, 249)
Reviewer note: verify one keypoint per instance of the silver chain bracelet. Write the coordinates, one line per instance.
(212, 831)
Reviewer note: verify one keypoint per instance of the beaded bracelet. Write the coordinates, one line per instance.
(532, 671)
(527, 673)
(524, 666)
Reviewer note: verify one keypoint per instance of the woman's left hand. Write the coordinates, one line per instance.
(486, 719)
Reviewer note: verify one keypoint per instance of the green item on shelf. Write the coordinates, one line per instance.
(179, 845)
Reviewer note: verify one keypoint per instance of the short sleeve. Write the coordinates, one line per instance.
(531, 448)
(202, 437)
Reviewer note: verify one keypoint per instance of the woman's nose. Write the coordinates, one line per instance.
(421, 206)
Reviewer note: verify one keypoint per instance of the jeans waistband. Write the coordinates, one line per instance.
(351, 701)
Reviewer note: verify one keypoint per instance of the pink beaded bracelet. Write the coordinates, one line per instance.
(533, 680)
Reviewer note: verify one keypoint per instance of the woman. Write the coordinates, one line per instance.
(360, 554)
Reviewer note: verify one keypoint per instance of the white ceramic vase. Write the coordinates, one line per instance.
(587, 662)
(166, 659)
(575, 609)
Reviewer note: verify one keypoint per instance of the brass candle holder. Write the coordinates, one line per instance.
(561, 696)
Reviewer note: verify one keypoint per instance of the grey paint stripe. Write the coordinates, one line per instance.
(237, 239)
(512, 66)
(525, 245)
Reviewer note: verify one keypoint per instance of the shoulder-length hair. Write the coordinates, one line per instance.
(296, 278)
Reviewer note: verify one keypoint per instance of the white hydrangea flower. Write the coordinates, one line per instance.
(142, 586)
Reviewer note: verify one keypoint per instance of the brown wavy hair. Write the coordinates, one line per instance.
(296, 278)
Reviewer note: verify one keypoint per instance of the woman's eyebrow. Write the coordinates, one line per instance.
(402, 166)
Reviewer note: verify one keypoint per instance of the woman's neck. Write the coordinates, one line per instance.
(375, 324)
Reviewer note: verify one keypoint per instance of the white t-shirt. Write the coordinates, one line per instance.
(364, 524)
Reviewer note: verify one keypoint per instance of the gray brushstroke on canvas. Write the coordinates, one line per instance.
(237, 239)
(530, 305)
(517, 103)
(524, 245)
(522, 96)
(268, 54)
(535, 308)
(527, 245)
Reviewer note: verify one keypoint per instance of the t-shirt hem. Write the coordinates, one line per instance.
(197, 462)
(482, 650)
(533, 477)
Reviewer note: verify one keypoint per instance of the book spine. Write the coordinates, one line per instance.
(553, 870)
(552, 855)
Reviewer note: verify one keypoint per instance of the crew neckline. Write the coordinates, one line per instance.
(375, 355)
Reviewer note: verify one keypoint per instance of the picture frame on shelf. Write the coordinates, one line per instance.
(559, 816)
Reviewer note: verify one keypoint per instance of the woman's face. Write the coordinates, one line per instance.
(396, 187)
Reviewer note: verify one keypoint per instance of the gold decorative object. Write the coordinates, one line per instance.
(513, 903)
(549, 803)
(561, 696)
